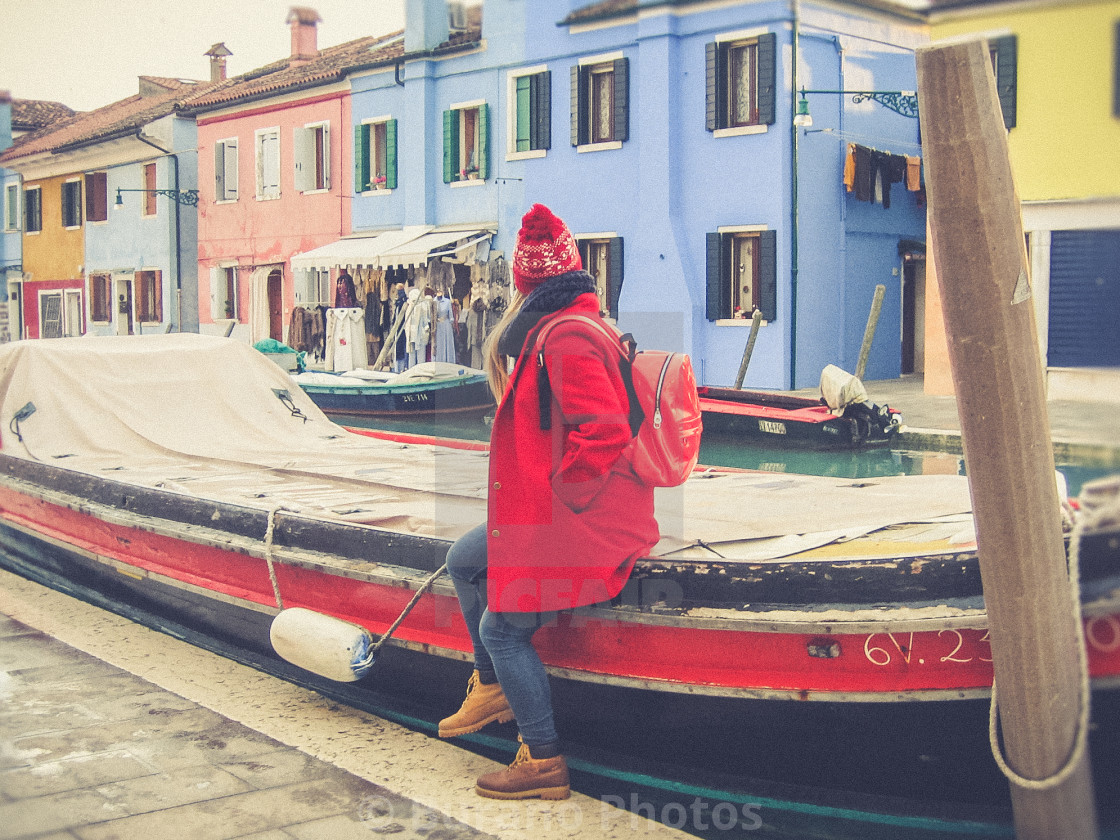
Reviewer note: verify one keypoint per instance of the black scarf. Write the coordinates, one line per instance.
(554, 294)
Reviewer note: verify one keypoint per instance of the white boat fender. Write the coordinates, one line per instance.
(322, 644)
(331, 647)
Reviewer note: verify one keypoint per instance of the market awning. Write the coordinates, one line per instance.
(358, 251)
(435, 243)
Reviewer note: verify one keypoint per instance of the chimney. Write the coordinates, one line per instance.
(304, 46)
(426, 24)
(218, 54)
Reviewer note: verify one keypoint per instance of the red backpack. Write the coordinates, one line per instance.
(664, 406)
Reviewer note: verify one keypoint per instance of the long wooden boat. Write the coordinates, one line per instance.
(427, 389)
(221, 502)
(779, 419)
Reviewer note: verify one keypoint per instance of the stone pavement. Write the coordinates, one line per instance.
(112, 731)
(90, 751)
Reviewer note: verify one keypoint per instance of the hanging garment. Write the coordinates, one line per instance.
(476, 331)
(913, 173)
(864, 175)
(373, 317)
(850, 168)
(418, 327)
(400, 346)
(346, 339)
(445, 331)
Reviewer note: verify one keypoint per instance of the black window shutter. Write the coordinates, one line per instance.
(711, 73)
(614, 261)
(1007, 63)
(1116, 71)
(540, 97)
(768, 273)
(579, 112)
(622, 99)
(718, 288)
(767, 78)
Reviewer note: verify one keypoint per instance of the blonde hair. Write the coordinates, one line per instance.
(495, 362)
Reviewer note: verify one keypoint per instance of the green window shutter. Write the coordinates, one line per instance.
(614, 261)
(767, 78)
(391, 154)
(361, 157)
(484, 141)
(621, 99)
(579, 111)
(768, 274)
(450, 146)
(523, 133)
(711, 86)
(1006, 67)
(541, 130)
(718, 303)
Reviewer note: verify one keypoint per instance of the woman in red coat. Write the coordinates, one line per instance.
(566, 517)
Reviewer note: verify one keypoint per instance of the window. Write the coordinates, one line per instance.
(740, 82)
(223, 293)
(531, 112)
(149, 296)
(268, 163)
(742, 274)
(225, 170)
(33, 209)
(375, 155)
(71, 204)
(97, 197)
(602, 259)
(11, 207)
(60, 313)
(601, 102)
(313, 157)
(1005, 63)
(466, 148)
(101, 297)
(149, 194)
(312, 286)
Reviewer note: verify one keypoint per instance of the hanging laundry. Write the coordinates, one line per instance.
(850, 167)
(864, 173)
(913, 173)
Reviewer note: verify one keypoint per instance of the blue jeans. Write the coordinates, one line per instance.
(503, 641)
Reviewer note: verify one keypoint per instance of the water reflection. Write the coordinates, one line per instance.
(729, 451)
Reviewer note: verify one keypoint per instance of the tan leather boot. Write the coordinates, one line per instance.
(527, 778)
(484, 704)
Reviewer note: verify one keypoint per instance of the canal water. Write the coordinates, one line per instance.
(732, 452)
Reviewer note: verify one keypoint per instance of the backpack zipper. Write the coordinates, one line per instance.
(657, 394)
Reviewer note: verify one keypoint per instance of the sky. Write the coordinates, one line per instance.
(89, 53)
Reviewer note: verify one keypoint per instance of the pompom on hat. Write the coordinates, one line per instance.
(545, 248)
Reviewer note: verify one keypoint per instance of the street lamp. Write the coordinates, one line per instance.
(904, 102)
(178, 196)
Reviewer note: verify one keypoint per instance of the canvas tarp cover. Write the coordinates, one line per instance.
(199, 415)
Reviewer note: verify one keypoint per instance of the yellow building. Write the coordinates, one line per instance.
(53, 253)
(1056, 66)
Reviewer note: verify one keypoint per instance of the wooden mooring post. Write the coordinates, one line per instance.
(983, 273)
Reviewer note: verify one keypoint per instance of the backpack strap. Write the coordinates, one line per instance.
(627, 348)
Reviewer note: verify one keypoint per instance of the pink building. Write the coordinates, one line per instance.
(274, 148)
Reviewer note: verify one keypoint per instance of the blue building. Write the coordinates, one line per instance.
(662, 134)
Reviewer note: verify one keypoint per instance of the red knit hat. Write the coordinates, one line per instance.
(545, 248)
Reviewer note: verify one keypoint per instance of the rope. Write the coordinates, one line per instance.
(424, 587)
(1081, 736)
(269, 531)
